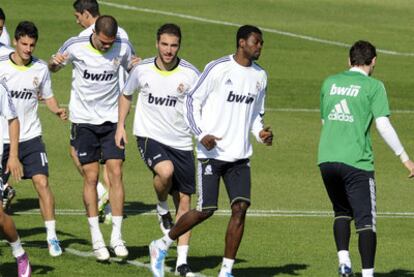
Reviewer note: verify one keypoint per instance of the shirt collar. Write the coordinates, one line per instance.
(357, 69)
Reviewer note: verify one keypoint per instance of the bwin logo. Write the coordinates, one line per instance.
(169, 101)
(238, 98)
(23, 94)
(105, 76)
(341, 112)
(352, 90)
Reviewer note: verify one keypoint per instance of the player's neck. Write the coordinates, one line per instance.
(166, 66)
(242, 59)
(17, 60)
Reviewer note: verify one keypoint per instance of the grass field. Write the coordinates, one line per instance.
(289, 230)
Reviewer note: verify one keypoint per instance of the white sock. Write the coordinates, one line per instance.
(95, 231)
(227, 265)
(51, 229)
(164, 243)
(343, 257)
(162, 207)
(17, 248)
(182, 252)
(367, 272)
(116, 228)
(100, 189)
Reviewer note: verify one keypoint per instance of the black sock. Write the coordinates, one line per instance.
(342, 232)
(367, 245)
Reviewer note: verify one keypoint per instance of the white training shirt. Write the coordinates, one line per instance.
(7, 111)
(95, 87)
(5, 37)
(26, 84)
(227, 102)
(158, 113)
(5, 50)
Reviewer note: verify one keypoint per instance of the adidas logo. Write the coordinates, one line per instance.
(208, 170)
(228, 82)
(341, 112)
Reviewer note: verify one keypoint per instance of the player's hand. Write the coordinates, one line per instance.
(120, 137)
(209, 141)
(133, 62)
(410, 166)
(61, 113)
(266, 135)
(59, 58)
(15, 168)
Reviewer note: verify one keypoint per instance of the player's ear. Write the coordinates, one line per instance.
(349, 62)
(14, 42)
(374, 61)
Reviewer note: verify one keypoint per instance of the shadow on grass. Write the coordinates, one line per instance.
(289, 269)
(199, 263)
(136, 208)
(10, 269)
(136, 252)
(23, 204)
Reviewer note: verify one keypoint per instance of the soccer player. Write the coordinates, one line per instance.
(350, 102)
(86, 14)
(13, 166)
(94, 114)
(4, 35)
(164, 140)
(28, 78)
(226, 103)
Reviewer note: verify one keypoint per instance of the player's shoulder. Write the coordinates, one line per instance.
(122, 33)
(217, 65)
(74, 41)
(39, 62)
(188, 66)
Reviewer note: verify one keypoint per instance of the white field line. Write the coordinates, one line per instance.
(290, 110)
(226, 23)
(252, 213)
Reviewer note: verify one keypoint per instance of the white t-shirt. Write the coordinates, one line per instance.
(7, 111)
(227, 102)
(158, 113)
(26, 84)
(95, 86)
(5, 50)
(5, 37)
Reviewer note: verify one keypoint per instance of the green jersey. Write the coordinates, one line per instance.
(349, 103)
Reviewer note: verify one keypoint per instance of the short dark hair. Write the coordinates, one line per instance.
(362, 53)
(107, 25)
(169, 28)
(245, 31)
(2, 15)
(91, 6)
(26, 28)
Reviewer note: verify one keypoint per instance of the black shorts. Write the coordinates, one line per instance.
(152, 152)
(352, 193)
(1, 185)
(32, 155)
(236, 176)
(95, 142)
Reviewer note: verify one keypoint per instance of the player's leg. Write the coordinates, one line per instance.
(335, 187)
(113, 158)
(35, 167)
(182, 188)
(238, 184)
(158, 161)
(8, 191)
(86, 142)
(104, 207)
(362, 196)
(207, 204)
(8, 229)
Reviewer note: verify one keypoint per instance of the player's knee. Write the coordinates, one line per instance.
(204, 214)
(41, 182)
(239, 209)
(164, 170)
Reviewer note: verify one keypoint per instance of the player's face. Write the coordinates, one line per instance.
(81, 19)
(1, 26)
(252, 46)
(102, 42)
(24, 47)
(168, 47)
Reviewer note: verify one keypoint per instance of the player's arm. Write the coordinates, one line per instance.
(53, 106)
(13, 163)
(390, 136)
(124, 104)
(57, 61)
(262, 134)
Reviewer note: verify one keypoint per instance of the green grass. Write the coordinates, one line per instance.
(285, 176)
